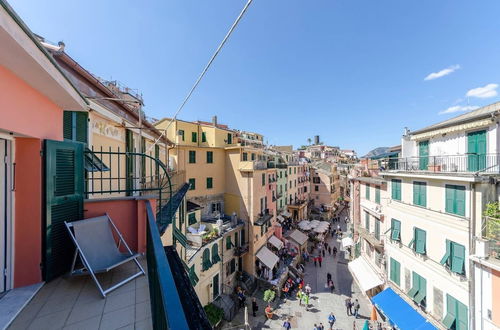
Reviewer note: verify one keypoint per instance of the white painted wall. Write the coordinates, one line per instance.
(483, 297)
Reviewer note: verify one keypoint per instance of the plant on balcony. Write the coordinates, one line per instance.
(492, 226)
(214, 314)
(210, 235)
(269, 295)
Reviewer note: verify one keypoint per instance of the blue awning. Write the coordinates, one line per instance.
(399, 312)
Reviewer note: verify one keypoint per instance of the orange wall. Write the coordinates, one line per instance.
(25, 111)
(129, 216)
(28, 212)
(495, 310)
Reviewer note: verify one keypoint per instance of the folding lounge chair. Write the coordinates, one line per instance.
(98, 250)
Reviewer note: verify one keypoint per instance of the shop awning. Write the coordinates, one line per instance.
(276, 242)
(298, 237)
(365, 274)
(399, 312)
(267, 257)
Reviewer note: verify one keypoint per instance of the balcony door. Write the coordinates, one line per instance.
(5, 215)
(476, 150)
(423, 153)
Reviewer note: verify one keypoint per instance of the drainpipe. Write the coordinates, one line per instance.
(472, 231)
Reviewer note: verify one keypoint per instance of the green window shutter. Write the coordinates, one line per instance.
(414, 288)
(203, 137)
(210, 183)
(457, 258)
(194, 137)
(395, 271)
(263, 179)
(192, 157)
(450, 198)
(462, 316)
(419, 193)
(245, 156)
(229, 138)
(81, 124)
(422, 290)
(377, 195)
(181, 132)
(206, 263)
(68, 125)
(157, 151)
(416, 193)
(395, 230)
(253, 156)
(367, 191)
(367, 221)
(451, 312)
(192, 218)
(210, 157)
(228, 242)
(192, 184)
(423, 194)
(377, 229)
(396, 189)
(192, 276)
(215, 254)
(460, 200)
(446, 257)
(420, 236)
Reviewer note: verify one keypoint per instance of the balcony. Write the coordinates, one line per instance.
(491, 233)
(215, 228)
(461, 164)
(241, 250)
(252, 165)
(371, 238)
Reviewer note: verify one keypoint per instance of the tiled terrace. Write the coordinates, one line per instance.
(75, 303)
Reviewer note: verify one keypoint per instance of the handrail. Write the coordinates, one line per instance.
(166, 303)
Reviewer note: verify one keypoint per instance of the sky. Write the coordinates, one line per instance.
(355, 72)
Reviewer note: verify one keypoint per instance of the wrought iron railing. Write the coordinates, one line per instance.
(491, 233)
(464, 163)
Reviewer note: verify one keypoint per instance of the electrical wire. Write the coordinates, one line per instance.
(217, 51)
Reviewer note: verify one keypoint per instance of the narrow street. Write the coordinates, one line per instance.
(322, 302)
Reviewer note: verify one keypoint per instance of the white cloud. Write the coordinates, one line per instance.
(459, 108)
(483, 92)
(443, 72)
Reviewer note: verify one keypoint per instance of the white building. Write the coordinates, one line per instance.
(437, 193)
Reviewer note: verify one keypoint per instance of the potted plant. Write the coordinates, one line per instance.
(269, 295)
(214, 314)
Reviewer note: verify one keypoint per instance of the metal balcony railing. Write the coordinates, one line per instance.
(491, 233)
(464, 163)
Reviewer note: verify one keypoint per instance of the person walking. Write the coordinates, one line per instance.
(330, 250)
(315, 259)
(321, 326)
(255, 307)
(348, 305)
(320, 259)
(299, 296)
(287, 325)
(334, 251)
(323, 252)
(307, 289)
(331, 320)
(305, 300)
(328, 276)
(356, 308)
(331, 286)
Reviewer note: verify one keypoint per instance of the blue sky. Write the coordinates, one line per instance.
(351, 71)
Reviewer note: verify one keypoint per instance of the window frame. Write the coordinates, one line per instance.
(396, 189)
(192, 157)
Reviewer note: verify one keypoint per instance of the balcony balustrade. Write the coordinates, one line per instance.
(491, 233)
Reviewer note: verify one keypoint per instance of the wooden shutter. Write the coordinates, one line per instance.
(423, 194)
(420, 236)
(457, 258)
(461, 316)
(68, 125)
(130, 162)
(446, 257)
(64, 182)
(396, 230)
(460, 200)
(416, 193)
(450, 198)
(81, 125)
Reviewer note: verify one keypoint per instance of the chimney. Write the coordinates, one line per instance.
(214, 120)
(316, 139)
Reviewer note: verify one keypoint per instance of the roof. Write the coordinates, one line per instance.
(298, 236)
(276, 242)
(399, 312)
(482, 112)
(371, 180)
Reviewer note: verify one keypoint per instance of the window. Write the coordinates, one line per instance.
(192, 157)
(418, 290)
(181, 133)
(216, 207)
(245, 156)
(294, 170)
(192, 218)
(305, 189)
(192, 184)
(395, 274)
(210, 183)
(395, 230)
(418, 241)
(228, 243)
(316, 188)
(253, 156)
(194, 137)
(232, 266)
(75, 126)
(396, 189)
(454, 257)
(263, 179)
(419, 193)
(377, 229)
(316, 179)
(367, 191)
(367, 221)
(210, 157)
(229, 138)
(203, 137)
(192, 276)
(215, 254)
(205, 262)
(455, 199)
(456, 314)
(290, 170)
(377, 195)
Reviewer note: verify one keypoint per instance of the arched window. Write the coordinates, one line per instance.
(206, 264)
(215, 254)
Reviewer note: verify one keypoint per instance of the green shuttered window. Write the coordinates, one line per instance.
(454, 257)
(192, 184)
(194, 137)
(263, 179)
(420, 193)
(210, 183)
(228, 242)
(215, 254)
(418, 290)
(210, 157)
(367, 191)
(396, 189)
(245, 156)
(395, 230)
(395, 274)
(75, 126)
(377, 229)
(205, 263)
(456, 314)
(192, 157)
(367, 221)
(203, 137)
(192, 218)
(419, 237)
(377, 195)
(455, 199)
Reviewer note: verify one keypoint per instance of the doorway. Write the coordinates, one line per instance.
(5, 215)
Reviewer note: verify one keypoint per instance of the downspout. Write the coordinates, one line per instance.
(472, 227)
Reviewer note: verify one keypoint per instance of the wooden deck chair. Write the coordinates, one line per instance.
(98, 251)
